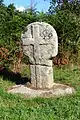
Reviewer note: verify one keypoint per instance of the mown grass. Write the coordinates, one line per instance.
(17, 107)
(68, 76)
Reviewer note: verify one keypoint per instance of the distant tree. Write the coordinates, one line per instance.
(12, 23)
(1, 2)
(66, 21)
(62, 4)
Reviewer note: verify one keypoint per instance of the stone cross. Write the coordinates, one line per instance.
(40, 44)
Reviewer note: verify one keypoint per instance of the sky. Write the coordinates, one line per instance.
(41, 5)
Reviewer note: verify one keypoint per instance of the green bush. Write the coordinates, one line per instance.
(12, 23)
(64, 18)
(66, 21)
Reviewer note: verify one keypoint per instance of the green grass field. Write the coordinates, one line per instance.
(17, 107)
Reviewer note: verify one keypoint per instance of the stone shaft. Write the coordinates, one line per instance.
(41, 76)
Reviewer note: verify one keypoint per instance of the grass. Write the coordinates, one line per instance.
(17, 107)
(68, 76)
(5, 83)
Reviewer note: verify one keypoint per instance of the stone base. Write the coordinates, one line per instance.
(56, 90)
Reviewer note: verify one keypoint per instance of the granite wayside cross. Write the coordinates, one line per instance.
(40, 44)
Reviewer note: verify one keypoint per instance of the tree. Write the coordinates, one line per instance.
(1, 2)
(12, 23)
(60, 4)
(66, 21)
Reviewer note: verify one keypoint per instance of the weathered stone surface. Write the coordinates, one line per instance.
(40, 44)
(43, 77)
(57, 90)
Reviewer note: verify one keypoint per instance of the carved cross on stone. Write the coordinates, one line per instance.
(40, 44)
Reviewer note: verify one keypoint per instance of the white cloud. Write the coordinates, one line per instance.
(20, 8)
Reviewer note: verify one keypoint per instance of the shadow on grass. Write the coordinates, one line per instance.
(14, 77)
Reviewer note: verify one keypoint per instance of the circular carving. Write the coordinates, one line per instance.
(46, 34)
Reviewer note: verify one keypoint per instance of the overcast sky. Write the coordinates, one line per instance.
(41, 5)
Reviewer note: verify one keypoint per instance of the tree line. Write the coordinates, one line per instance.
(64, 16)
